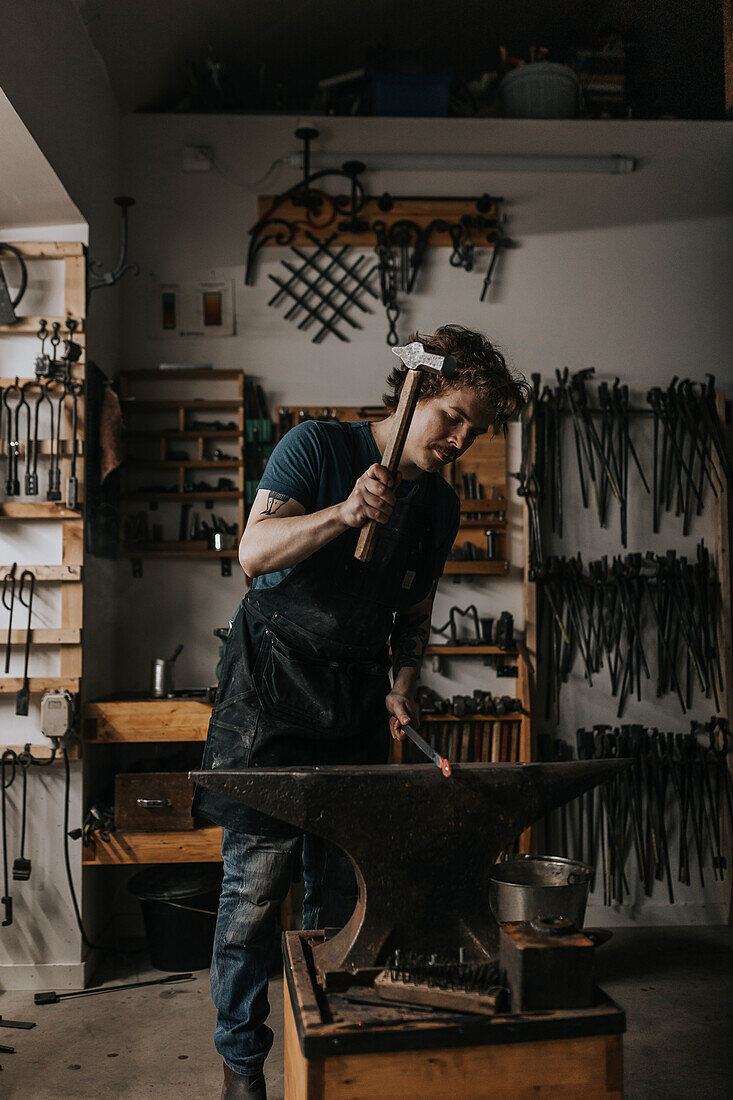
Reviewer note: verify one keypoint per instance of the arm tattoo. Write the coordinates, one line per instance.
(411, 631)
(275, 501)
(409, 639)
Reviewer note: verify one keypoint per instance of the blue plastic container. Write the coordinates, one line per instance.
(410, 95)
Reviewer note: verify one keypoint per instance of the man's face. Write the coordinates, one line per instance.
(444, 427)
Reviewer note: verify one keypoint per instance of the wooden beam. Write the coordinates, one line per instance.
(53, 635)
(26, 509)
(48, 250)
(29, 326)
(47, 572)
(37, 685)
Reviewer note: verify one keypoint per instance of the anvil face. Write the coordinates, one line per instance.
(422, 846)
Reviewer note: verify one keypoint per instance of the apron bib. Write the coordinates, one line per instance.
(305, 671)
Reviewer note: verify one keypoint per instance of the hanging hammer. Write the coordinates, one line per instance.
(416, 360)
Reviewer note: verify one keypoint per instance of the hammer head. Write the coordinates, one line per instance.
(415, 357)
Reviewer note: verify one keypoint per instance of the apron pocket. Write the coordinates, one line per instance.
(302, 691)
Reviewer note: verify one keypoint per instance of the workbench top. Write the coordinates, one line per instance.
(139, 717)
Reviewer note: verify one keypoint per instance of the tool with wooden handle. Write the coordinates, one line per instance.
(416, 360)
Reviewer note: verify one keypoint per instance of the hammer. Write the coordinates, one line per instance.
(416, 360)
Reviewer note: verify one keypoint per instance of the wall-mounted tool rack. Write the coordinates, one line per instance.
(160, 431)
(24, 508)
(323, 286)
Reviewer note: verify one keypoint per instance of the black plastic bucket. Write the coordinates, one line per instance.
(179, 904)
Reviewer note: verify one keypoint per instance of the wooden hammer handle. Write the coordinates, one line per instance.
(392, 455)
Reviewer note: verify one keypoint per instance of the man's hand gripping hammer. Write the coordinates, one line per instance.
(416, 360)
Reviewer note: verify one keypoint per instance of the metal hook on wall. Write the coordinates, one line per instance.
(97, 276)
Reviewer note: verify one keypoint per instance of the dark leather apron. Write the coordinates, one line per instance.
(305, 671)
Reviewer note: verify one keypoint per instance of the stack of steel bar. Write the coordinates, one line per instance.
(689, 452)
(602, 612)
(676, 777)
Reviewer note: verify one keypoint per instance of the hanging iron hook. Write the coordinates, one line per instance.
(98, 277)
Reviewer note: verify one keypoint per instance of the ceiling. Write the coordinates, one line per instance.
(31, 192)
(276, 52)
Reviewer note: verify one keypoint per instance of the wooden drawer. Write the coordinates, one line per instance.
(153, 802)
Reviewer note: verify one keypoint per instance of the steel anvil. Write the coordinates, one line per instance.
(422, 846)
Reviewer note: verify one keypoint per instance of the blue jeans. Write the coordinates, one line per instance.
(258, 871)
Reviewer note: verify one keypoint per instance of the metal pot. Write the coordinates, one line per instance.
(524, 887)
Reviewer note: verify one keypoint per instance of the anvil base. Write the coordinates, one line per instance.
(347, 1045)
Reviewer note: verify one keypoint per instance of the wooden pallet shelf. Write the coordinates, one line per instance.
(47, 572)
(52, 635)
(189, 846)
(21, 509)
(37, 685)
(29, 326)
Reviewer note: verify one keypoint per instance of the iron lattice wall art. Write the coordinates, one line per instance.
(325, 285)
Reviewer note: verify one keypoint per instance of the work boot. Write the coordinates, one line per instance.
(238, 1087)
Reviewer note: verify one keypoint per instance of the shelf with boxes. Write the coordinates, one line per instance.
(169, 438)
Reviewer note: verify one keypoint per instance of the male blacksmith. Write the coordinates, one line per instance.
(305, 677)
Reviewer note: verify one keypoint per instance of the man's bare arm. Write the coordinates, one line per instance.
(279, 534)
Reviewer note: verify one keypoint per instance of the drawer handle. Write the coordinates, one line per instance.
(154, 803)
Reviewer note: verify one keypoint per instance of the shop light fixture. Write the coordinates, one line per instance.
(611, 164)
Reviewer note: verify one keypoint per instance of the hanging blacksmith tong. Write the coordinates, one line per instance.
(27, 585)
(8, 598)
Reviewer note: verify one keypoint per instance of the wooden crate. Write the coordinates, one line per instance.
(569, 1055)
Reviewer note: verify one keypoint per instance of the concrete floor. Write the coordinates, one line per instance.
(676, 985)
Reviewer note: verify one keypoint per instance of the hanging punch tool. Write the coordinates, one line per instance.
(8, 604)
(54, 469)
(27, 584)
(72, 482)
(12, 484)
(416, 360)
(441, 762)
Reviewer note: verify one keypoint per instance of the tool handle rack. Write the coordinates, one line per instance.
(67, 636)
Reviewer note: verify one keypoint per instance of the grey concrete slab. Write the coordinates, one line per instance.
(676, 985)
(156, 1041)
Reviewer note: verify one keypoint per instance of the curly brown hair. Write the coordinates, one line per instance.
(480, 365)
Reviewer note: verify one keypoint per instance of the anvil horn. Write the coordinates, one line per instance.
(422, 846)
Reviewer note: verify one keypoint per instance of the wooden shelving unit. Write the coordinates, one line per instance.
(69, 571)
(162, 439)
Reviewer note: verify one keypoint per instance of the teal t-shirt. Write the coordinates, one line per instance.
(312, 464)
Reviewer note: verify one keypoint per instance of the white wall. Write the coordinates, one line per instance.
(56, 83)
(630, 274)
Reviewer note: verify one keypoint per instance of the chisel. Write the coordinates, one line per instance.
(439, 761)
